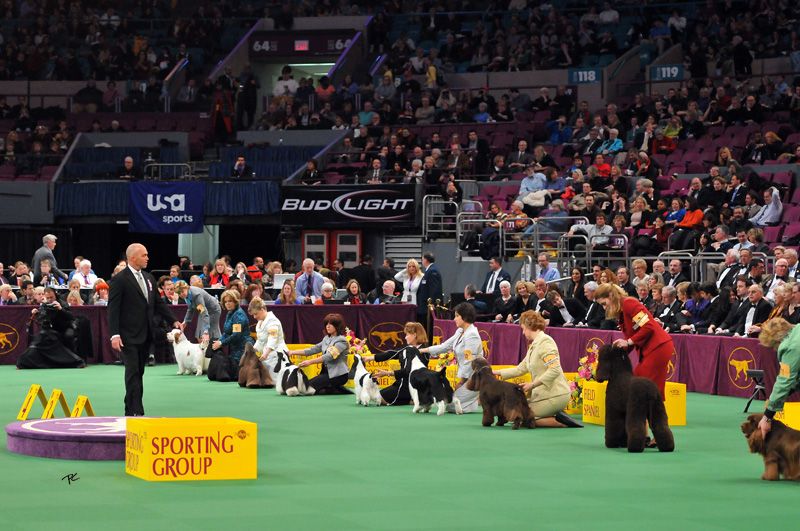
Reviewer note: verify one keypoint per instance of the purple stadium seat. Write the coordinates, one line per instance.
(490, 190)
(6, 172)
(796, 197)
(773, 234)
(792, 230)
(785, 178)
(791, 213)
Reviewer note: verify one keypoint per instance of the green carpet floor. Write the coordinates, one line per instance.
(325, 463)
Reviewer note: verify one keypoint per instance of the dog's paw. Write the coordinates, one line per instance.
(457, 404)
(441, 409)
(416, 409)
(292, 392)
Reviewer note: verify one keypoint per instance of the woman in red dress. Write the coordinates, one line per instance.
(641, 331)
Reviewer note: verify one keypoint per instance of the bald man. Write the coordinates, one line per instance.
(133, 303)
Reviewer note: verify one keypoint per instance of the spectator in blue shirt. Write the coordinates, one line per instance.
(613, 145)
(546, 271)
(559, 131)
(483, 115)
(532, 182)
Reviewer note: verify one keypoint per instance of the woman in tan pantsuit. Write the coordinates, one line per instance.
(548, 388)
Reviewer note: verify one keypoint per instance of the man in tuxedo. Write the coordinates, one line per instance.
(675, 275)
(668, 313)
(45, 252)
(491, 284)
(133, 305)
(430, 287)
(778, 278)
(591, 144)
(728, 270)
(753, 312)
(564, 312)
(643, 141)
(376, 174)
(595, 314)
(738, 307)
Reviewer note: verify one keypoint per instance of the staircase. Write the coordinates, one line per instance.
(401, 248)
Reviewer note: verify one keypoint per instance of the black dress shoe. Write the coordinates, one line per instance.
(567, 421)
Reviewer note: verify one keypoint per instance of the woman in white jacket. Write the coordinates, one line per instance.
(269, 335)
(411, 278)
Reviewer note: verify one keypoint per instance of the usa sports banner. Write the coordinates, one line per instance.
(166, 207)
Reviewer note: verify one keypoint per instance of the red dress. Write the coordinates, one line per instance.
(654, 344)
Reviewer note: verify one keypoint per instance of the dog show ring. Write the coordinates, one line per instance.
(81, 438)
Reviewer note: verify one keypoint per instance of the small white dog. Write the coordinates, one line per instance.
(191, 357)
(366, 389)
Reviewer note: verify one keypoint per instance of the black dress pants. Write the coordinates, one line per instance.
(134, 357)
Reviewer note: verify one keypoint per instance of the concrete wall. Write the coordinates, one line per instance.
(26, 203)
(321, 137)
(138, 140)
(456, 275)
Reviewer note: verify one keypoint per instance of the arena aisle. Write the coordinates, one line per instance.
(326, 463)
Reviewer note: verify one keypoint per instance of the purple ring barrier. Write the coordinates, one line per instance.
(706, 364)
(381, 324)
(83, 438)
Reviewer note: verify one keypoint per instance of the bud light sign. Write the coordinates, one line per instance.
(162, 207)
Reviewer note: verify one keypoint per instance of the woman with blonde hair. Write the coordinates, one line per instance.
(411, 278)
(288, 294)
(784, 337)
(272, 269)
(269, 335)
(783, 297)
(641, 331)
(525, 299)
(398, 393)
(74, 298)
(548, 388)
(219, 277)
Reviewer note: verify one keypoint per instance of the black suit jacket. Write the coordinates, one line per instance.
(763, 309)
(365, 276)
(713, 314)
(630, 289)
(503, 275)
(594, 316)
(429, 288)
(130, 315)
(737, 196)
(575, 308)
(673, 318)
(680, 277)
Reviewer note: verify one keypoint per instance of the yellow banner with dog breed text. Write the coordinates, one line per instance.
(191, 449)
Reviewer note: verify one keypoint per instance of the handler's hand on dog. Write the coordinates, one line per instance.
(526, 387)
(303, 363)
(621, 343)
(764, 425)
(216, 345)
(116, 343)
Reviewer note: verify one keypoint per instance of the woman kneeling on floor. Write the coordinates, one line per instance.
(548, 388)
(334, 348)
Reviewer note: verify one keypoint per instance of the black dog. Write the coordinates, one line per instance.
(429, 387)
(631, 402)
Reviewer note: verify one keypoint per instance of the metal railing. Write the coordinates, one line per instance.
(164, 170)
(473, 221)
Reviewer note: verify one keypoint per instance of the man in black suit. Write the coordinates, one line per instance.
(563, 312)
(430, 287)
(133, 306)
(741, 285)
(364, 274)
(674, 275)
(712, 314)
(595, 314)
(668, 313)
(491, 284)
(591, 144)
(477, 149)
(469, 296)
(738, 191)
(754, 311)
(240, 169)
(624, 279)
(518, 160)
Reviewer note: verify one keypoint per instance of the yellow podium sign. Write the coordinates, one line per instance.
(790, 415)
(312, 370)
(594, 403)
(373, 367)
(191, 449)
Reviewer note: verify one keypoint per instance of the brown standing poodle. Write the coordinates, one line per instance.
(780, 450)
(499, 399)
(252, 372)
(631, 403)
